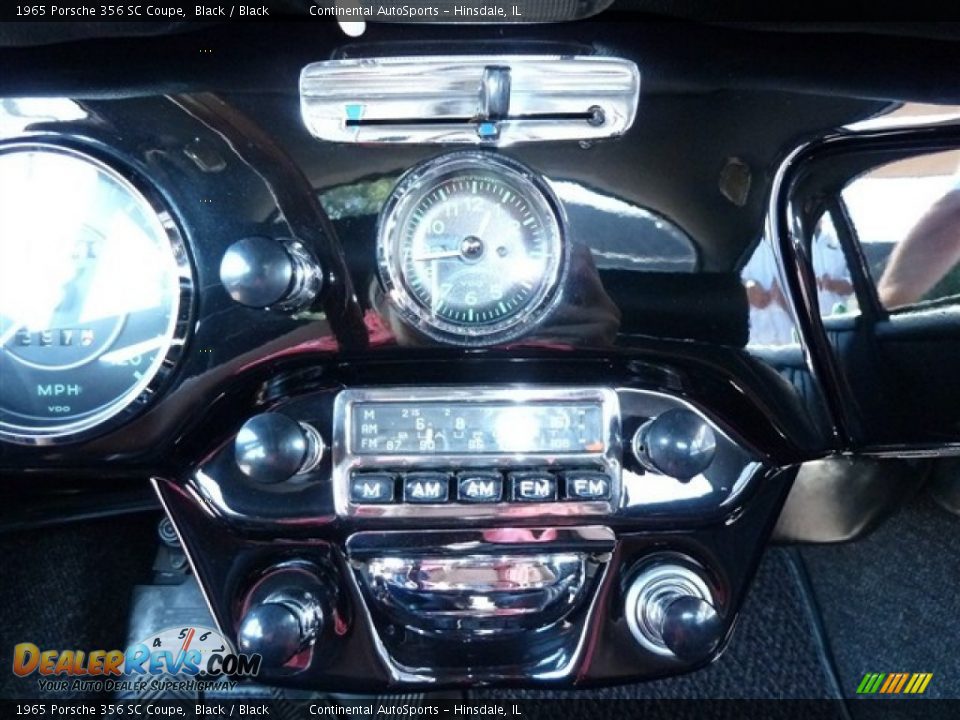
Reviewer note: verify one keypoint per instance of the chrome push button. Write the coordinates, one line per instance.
(426, 487)
(586, 485)
(480, 487)
(533, 486)
(372, 488)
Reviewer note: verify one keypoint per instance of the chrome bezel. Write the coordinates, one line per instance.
(136, 399)
(661, 579)
(345, 462)
(416, 184)
(596, 540)
(439, 99)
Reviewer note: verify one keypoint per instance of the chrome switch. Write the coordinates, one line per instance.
(669, 610)
(285, 613)
(275, 274)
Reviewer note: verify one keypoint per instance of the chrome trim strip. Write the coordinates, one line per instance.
(344, 462)
(649, 595)
(450, 99)
(892, 119)
(455, 543)
(907, 451)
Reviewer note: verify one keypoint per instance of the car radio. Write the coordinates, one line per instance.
(468, 524)
(476, 451)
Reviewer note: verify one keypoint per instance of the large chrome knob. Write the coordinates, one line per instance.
(678, 443)
(691, 628)
(669, 610)
(272, 447)
(273, 630)
(264, 273)
(281, 626)
(285, 612)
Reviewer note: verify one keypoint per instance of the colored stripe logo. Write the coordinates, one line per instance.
(894, 683)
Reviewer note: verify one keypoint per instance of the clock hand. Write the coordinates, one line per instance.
(484, 222)
(436, 255)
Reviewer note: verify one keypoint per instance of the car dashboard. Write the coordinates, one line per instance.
(434, 344)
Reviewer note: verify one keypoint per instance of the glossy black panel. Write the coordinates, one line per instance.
(659, 223)
(651, 303)
(350, 656)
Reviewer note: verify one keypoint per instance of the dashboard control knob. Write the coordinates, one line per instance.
(678, 443)
(691, 628)
(285, 614)
(669, 610)
(272, 630)
(272, 447)
(265, 273)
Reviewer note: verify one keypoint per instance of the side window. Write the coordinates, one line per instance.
(835, 291)
(906, 215)
(771, 324)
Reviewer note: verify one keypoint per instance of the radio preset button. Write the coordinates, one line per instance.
(586, 485)
(534, 486)
(426, 487)
(372, 488)
(480, 487)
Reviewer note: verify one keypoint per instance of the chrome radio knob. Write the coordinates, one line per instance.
(264, 273)
(272, 447)
(283, 618)
(670, 612)
(678, 443)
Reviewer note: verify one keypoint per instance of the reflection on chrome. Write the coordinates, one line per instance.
(652, 488)
(903, 115)
(18, 114)
(476, 595)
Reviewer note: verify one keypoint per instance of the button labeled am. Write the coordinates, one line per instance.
(426, 487)
(480, 487)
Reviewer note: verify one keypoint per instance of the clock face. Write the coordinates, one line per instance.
(470, 248)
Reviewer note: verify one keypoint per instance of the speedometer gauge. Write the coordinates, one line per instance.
(471, 248)
(93, 279)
